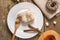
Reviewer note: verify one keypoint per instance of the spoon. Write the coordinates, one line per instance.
(17, 24)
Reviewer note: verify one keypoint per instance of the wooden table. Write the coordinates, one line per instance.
(5, 33)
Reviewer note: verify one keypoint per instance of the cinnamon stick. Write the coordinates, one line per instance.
(30, 26)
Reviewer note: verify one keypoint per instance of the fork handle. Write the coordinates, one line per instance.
(13, 37)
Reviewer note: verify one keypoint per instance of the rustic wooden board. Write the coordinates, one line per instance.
(5, 33)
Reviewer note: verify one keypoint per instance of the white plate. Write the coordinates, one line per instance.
(12, 17)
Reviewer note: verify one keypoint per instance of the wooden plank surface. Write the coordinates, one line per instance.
(5, 33)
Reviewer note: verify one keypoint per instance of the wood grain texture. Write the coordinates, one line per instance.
(5, 33)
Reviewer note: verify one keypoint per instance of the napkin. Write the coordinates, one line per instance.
(42, 3)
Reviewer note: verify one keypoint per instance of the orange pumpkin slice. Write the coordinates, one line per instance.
(49, 35)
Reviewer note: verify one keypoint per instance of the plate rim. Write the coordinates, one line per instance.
(13, 7)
